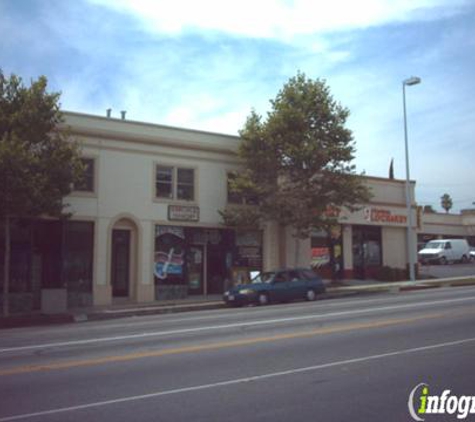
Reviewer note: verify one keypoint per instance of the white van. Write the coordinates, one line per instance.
(445, 251)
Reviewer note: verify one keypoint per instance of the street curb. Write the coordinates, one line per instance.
(158, 310)
(19, 321)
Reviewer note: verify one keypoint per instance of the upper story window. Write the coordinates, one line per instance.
(185, 186)
(164, 182)
(175, 183)
(87, 183)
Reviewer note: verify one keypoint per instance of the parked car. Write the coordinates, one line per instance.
(277, 286)
(444, 251)
(472, 254)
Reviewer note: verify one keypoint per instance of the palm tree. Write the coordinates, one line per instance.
(446, 202)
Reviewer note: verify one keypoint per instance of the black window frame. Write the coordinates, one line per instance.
(87, 184)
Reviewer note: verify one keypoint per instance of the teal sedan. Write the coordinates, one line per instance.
(277, 286)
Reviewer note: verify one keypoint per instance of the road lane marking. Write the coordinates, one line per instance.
(237, 381)
(234, 325)
(213, 346)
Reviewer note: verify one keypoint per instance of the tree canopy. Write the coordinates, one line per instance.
(297, 162)
(39, 163)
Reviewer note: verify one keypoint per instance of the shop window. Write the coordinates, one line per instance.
(20, 257)
(175, 183)
(87, 183)
(169, 255)
(327, 252)
(78, 258)
(48, 247)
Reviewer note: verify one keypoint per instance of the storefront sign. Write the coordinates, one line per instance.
(183, 213)
(377, 215)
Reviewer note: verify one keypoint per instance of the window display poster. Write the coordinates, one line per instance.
(169, 252)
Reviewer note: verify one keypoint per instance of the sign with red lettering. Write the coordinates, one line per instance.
(377, 215)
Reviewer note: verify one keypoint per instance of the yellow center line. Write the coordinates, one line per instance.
(215, 346)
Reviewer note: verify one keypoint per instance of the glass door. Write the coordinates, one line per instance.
(195, 260)
(367, 251)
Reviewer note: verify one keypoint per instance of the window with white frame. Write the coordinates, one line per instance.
(175, 183)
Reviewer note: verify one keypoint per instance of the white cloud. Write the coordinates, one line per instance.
(278, 19)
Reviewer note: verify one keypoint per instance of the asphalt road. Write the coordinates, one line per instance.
(349, 359)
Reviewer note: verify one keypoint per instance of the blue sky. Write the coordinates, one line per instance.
(206, 64)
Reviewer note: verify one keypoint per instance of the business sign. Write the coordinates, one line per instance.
(379, 215)
(183, 213)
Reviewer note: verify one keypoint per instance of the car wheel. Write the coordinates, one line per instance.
(310, 295)
(263, 299)
(464, 259)
(443, 261)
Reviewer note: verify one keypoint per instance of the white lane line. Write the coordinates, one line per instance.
(236, 325)
(237, 381)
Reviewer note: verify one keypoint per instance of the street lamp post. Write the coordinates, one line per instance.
(414, 80)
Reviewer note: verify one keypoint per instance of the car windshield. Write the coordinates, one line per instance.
(264, 277)
(435, 245)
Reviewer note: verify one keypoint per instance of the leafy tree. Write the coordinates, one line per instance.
(446, 202)
(429, 209)
(38, 162)
(297, 161)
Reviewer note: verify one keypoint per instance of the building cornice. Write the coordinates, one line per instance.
(150, 134)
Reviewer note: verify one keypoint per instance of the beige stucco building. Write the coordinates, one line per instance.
(146, 223)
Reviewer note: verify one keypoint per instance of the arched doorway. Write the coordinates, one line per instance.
(123, 259)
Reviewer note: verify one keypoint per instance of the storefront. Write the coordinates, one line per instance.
(49, 256)
(367, 251)
(202, 261)
(365, 243)
(147, 224)
(327, 253)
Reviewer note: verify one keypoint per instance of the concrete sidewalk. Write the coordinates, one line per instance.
(121, 310)
(189, 304)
